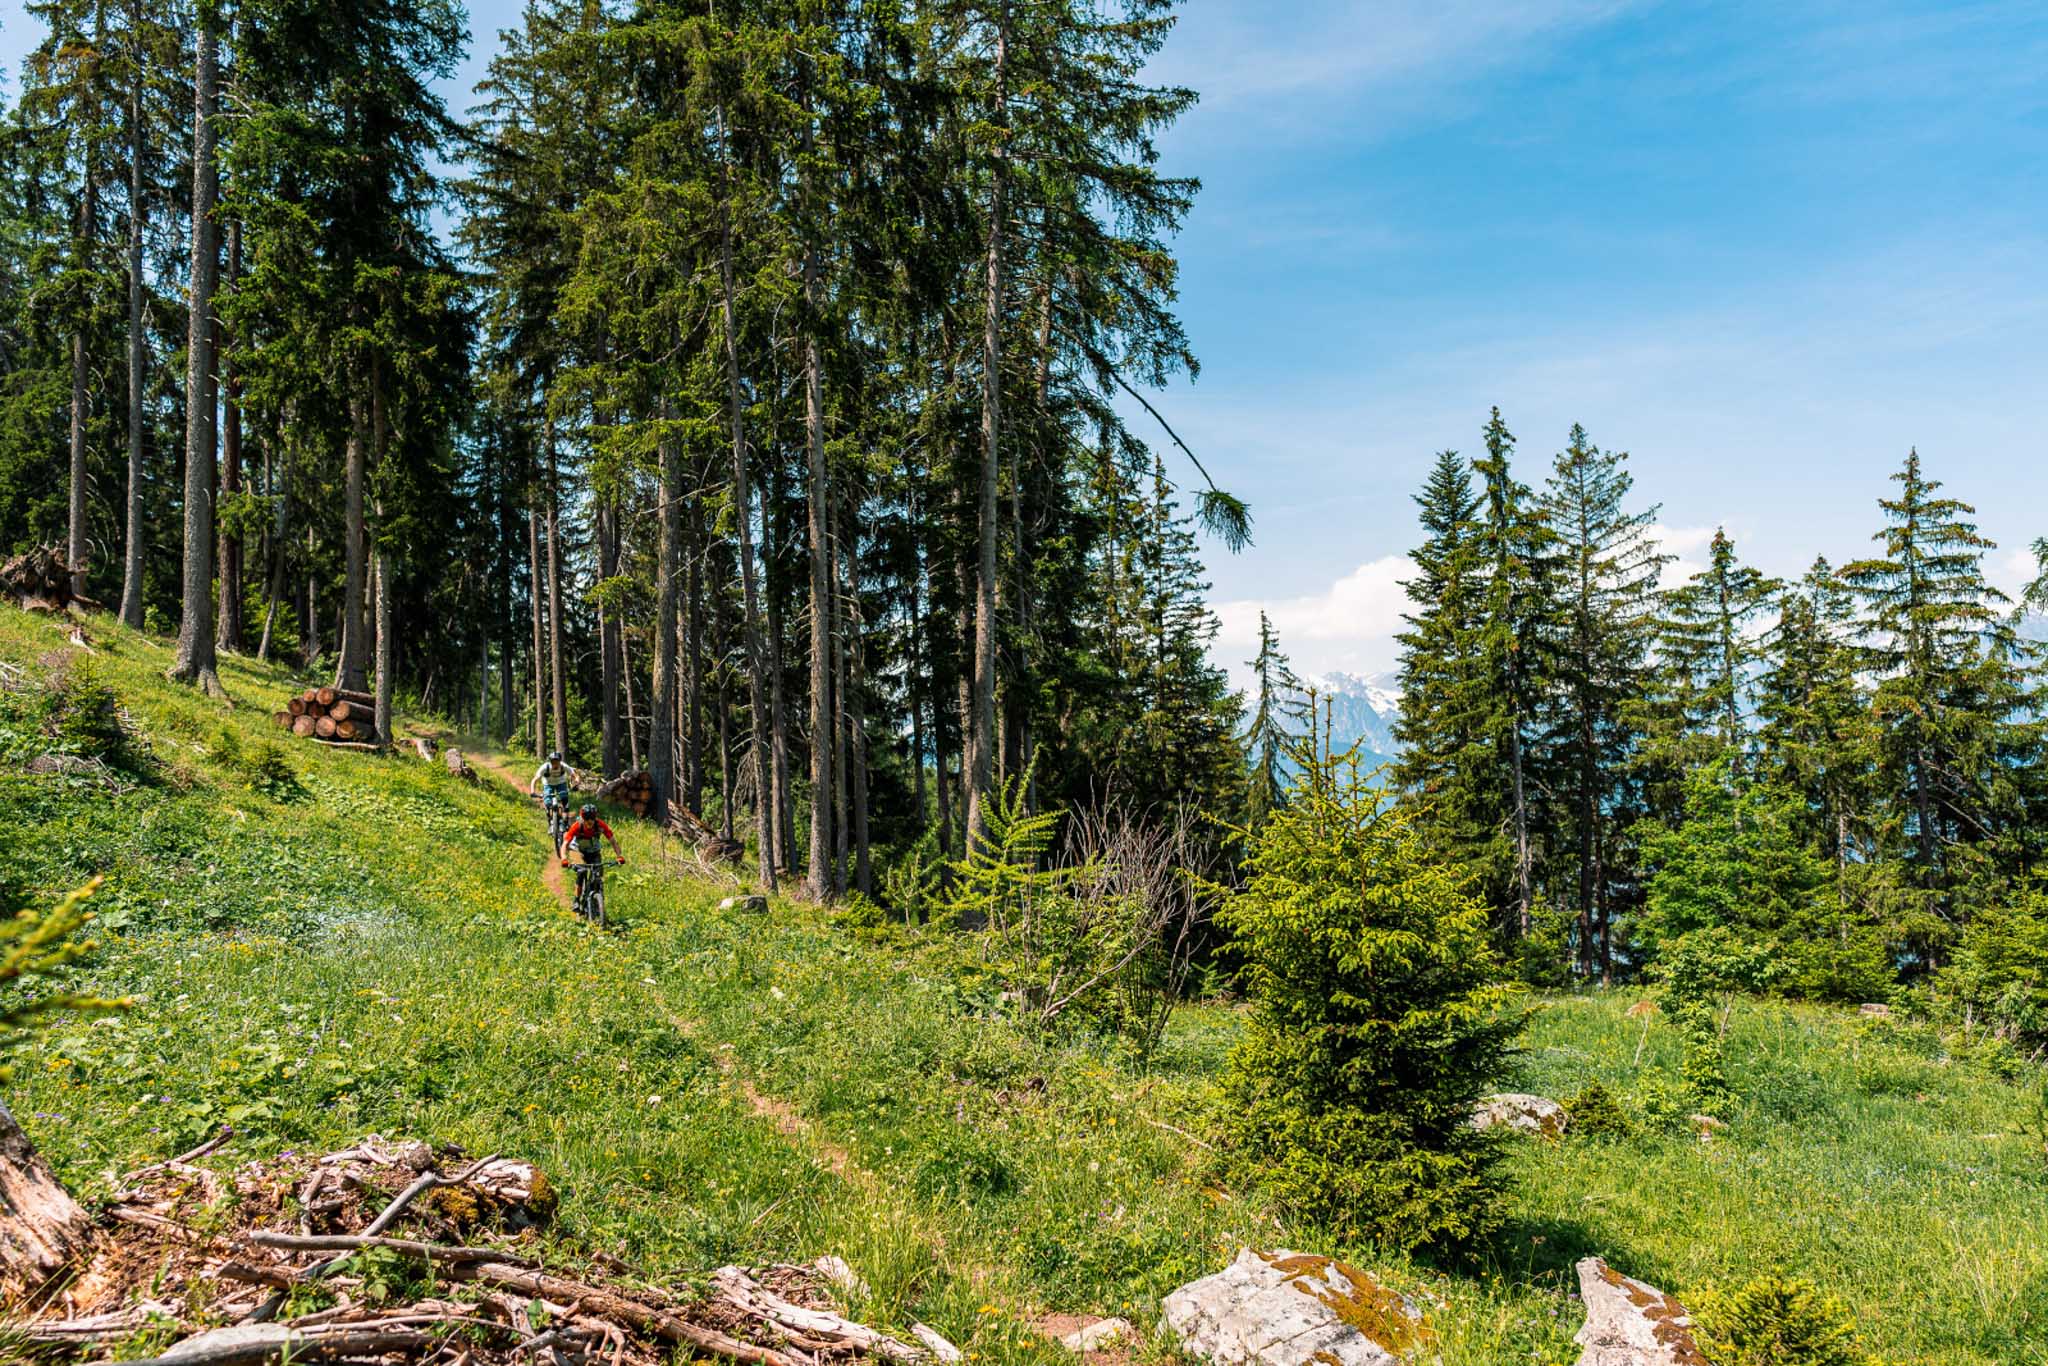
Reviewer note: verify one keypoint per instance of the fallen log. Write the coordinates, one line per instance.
(283, 719)
(345, 710)
(412, 1247)
(367, 746)
(324, 727)
(304, 725)
(362, 699)
(590, 1300)
(250, 1344)
(324, 696)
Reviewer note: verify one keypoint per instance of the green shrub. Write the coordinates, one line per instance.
(1597, 1113)
(1777, 1320)
(1378, 1020)
(1999, 976)
(1738, 865)
(86, 716)
(1698, 969)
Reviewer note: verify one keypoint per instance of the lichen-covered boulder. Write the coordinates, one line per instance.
(1629, 1323)
(1525, 1114)
(1286, 1309)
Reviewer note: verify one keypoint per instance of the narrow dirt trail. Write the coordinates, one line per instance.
(551, 875)
(787, 1119)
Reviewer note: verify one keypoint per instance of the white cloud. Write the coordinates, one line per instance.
(1348, 627)
(1253, 54)
(1689, 544)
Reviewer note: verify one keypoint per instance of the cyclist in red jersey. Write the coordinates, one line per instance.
(586, 833)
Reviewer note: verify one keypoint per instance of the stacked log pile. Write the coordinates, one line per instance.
(337, 716)
(285, 1260)
(634, 790)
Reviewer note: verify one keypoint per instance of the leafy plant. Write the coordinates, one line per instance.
(36, 947)
(1596, 1113)
(1379, 1018)
(1776, 1320)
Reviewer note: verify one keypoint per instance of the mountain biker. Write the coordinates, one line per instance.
(555, 776)
(587, 833)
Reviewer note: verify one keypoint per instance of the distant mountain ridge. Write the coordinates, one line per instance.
(1362, 709)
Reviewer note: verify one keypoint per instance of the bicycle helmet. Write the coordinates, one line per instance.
(554, 756)
(589, 811)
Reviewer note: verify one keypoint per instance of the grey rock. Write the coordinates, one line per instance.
(1629, 1323)
(1092, 1337)
(1286, 1309)
(755, 905)
(1525, 1114)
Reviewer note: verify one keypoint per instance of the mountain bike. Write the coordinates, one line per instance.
(590, 888)
(558, 817)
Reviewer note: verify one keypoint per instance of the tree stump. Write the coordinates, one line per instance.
(41, 1227)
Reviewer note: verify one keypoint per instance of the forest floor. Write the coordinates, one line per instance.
(371, 945)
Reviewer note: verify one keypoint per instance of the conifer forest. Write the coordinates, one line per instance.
(773, 407)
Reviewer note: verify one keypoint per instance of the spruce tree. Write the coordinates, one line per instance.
(1708, 651)
(1277, 711)
(1608, 570)
(1519, 549)
(1948, 706)
(1451, 698)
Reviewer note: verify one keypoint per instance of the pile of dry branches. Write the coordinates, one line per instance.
(393, 1252)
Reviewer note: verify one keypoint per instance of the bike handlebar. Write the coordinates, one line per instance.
(601, 863)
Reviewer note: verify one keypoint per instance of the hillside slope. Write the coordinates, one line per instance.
(370, 946)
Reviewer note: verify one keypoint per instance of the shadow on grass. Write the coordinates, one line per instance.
(1538, 1252)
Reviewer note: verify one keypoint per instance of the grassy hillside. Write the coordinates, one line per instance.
(366, 943)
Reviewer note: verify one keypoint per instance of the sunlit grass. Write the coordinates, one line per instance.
(377, 952)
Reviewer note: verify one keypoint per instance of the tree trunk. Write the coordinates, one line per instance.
(819, 880)
(694, 657)
(229, 628)
(380, 439)
(661, 736)
(534, 586)
(280, 495)
(775, 528)
(77, 541)
(608, 632)
(743, 518)
(561, 691)
(42, 1229)
(195, 657)
(855, 707)
(981, 745)
(138, 344)
(353, 671)
(632, 709)
(842, 746)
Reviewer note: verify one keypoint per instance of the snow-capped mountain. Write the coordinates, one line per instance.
(1361, 711)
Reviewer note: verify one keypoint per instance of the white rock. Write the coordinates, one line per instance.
(835, 1272)
(756, 904)
(1092, 1337)
(1525, 1114)
(1285, 1309)
(1632, 1324)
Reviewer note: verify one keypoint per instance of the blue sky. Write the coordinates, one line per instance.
(1765, 247)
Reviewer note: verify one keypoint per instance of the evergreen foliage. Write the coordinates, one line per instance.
(1378, 1019)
